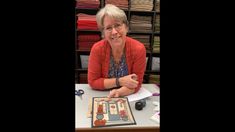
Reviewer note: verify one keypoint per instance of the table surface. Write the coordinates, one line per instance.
(142, 117)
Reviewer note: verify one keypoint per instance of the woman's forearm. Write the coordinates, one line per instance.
(109, 83)
(123, 91)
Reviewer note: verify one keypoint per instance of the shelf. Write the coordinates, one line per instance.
(89, 31)
(142, 12)
(85, 52)
(151, 33)
(152, 72)
(81, 70)
(157, 33)
(85, 10)
(90, 9)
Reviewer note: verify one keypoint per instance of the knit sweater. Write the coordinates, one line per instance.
(99, 59)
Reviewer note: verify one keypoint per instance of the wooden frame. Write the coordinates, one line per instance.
(111, 112)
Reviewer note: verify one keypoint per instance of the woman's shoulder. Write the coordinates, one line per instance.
(98, 45)
(135, 44)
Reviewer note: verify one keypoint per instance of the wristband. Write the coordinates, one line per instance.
(117, 82)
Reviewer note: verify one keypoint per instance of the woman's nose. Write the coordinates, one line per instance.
(114, 31)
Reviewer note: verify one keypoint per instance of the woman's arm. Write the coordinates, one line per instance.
(123, 91)
(110, 83)
(94, 78)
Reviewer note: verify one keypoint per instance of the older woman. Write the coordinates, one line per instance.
(117, 62)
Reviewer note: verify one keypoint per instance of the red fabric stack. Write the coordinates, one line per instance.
(123, 4)
(86, 41)
(88, 4)
(86, 22)
(83, 78)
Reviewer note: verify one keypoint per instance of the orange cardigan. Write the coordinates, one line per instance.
(98, 64)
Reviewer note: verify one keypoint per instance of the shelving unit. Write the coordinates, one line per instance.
(154, 13)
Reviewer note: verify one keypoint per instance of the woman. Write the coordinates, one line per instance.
(117, 62)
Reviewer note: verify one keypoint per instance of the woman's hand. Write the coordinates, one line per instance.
(123, 91)
(113, 93)
(129, 81)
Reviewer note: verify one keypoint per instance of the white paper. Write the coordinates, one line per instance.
(146, 61)
(141, 94)
(157, 89)
(84, 61)
(156, 117)
(156, 63)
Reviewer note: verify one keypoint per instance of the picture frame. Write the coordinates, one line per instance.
(111, 112)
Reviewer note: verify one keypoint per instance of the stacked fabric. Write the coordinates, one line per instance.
(86, 22)
(141, 23)
(83, 78)
(123, 4)
(88, 4)
(156, 44)
(145, 39)
(154, 79)
(157, 2)
(86, 41)
(141, 5)
(157, 24)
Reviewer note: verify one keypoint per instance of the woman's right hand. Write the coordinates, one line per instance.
(129, 81)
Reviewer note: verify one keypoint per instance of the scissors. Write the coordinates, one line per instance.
(79, 93)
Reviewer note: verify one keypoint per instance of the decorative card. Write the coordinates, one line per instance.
(111, 112)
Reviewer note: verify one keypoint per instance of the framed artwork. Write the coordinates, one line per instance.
(111, 112)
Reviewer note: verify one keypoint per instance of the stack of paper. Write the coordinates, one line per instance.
(141, 94)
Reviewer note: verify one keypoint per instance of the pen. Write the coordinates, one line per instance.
(156, 94)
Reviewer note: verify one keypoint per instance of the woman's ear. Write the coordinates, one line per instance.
(127, 28)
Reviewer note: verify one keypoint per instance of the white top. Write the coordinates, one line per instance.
(142, 117)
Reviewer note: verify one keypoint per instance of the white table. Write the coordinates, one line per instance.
(142, 117)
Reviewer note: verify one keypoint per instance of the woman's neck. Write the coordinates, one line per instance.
(117, 53)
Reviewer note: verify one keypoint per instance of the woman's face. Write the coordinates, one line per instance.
(114, 31)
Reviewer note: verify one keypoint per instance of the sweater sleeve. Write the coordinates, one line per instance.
(139, 65)
(95, 79)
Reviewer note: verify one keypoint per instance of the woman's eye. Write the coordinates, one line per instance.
(108, 28)
(117, 25)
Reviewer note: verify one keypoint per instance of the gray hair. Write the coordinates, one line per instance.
(111, 11)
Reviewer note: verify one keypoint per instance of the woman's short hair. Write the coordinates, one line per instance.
(111, 11)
